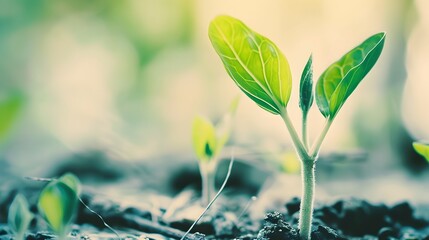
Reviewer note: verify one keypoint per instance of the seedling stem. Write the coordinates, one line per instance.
(308, 165)
(208, 174)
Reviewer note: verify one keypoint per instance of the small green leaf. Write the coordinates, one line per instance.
(306, 86)
(422, 149)
(58, 203)
(223, 128)
(71, 181)
(204, 138)
(253, 61)
(234, 105)
(9, 111)
(340, 79)
(19, 216)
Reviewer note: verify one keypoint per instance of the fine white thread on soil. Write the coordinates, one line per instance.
(251, 200)
(101, 218)
(214, 199)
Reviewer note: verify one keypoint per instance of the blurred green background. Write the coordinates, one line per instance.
(127, 77)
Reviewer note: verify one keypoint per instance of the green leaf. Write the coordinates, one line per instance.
(71, 181)
(340, 79)
(58, 203)
(422, 149)
(19, 216)
(306, 86)
(234, 105)
(9, 111)
(253, 61)
(203, 138)
(224, 127)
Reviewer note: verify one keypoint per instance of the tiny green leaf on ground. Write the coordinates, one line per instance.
(306, 86)
(422, 149)
(340, 79)
(253, 61)
(58, 203)
(19, 216)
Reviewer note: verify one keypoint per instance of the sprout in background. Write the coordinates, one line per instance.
(208, 142)
(422, 149)
(58, 203)
(9, 111)
(262, 72)
(19, 216)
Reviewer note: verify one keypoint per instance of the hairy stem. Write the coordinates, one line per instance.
(304, 130)
(307, 198)
(308, 164)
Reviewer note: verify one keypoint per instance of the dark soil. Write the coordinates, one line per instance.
(343, 219)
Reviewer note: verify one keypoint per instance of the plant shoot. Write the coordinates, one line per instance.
(208, 141)
(58, 203)
(261, 71)
(19, 217)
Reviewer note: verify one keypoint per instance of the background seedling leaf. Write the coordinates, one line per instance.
(254, 62)
(19, 216)
(306, 86)
(224, 127)
(58, 203)
(71, 181)
(234, 105)
(340, 79)
(204, 138)
(422, 149)
(9, 111)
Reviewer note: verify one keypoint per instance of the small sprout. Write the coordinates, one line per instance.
(422, 149)
(19, 216)
(208, 142)
(204, 138)
(10, 108)
(58, 203)
(262, 72)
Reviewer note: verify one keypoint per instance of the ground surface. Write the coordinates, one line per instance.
(135, 210)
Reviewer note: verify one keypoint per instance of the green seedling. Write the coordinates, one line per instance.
(422, 149)
(19, 216)
(58, 203)
(10, 107)
(208, 142)
(261, 71)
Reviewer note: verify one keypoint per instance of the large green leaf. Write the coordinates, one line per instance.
(340, 79)
(306, 86)
(253, 61)
(58, 203)
(422, 149)
(19, 216)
